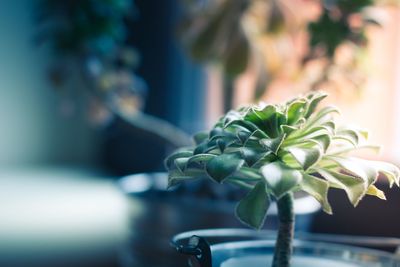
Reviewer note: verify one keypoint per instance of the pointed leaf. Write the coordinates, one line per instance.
(200, 159)
(296, 110)
(170, 161)
(317, 188)
(219, 132)
(252, 209)
(306, 156)
(176, 176)
(246, 174)
(348, 135)
(266, 159)
(390, 171)
(280, 178)
(357, 167)
(321, 117)
(323, 140)
(180, 163)
(252, 154)
(220, 167)
(200, 137)
(243, 123)
(243, 136)
(288, 129)
(267, 119)
(354, 187)
(272, 144)
(221, 145)
(230, 117)
(374, 191)
(315, 99)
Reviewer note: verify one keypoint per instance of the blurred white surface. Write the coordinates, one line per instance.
(33, 131)
(59, 215)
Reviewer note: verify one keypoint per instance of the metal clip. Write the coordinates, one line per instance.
(199, 248)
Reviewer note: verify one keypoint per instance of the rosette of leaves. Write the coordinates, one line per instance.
(275, 150)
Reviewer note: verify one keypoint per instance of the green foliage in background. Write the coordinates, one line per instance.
(94, 64)
(333, 28)
(248, 34)
(96, 26)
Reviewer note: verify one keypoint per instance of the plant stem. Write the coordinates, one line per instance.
(283, 246)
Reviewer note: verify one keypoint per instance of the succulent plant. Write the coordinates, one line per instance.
(275, 150)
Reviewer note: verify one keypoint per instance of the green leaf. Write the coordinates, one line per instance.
(243, 136)
(288, 129)
(354, 187)
(314, 99)
(306, 156)
(170, 161)
(267, 119)
(348, 135)
(390, 171)
(230, 117)
(310, 132)
(266, 159)
(200, 137)
(221, 145)
(181, 163)
(330, 125)
(220, 167)
(176, 176)
(296, 110)
(204, 148)
(374, 191)
(252, 154)
(252, 209)
(323, 140)
(243, 123)
(200, 159)
(357, 167)
(321, 117)
(218, 132)
(272, 144)
(317, 188)
(280, 178)
(246, 174)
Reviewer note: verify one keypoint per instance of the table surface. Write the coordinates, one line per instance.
(75, 218)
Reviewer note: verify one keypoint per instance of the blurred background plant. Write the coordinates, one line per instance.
(273, 46)
(314, 44)
(94, 65)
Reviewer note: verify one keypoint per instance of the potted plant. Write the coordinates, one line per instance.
(275, 150)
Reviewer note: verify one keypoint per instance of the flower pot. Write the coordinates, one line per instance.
(217, 248)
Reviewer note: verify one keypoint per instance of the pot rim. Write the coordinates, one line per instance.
(303, 244)
(369, 241)
(263, 243)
